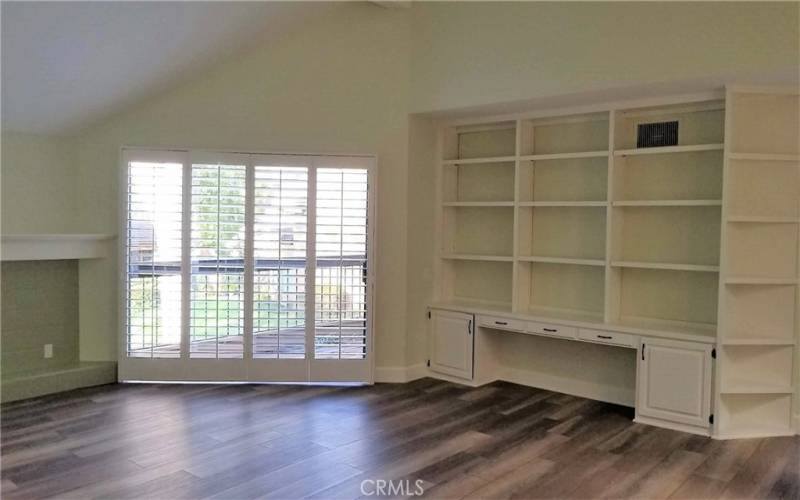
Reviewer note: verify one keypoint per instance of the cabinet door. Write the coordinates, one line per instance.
(451, 343)
(674, 381)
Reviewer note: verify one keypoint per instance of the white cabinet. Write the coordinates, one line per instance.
(451, 343)
(674, 382)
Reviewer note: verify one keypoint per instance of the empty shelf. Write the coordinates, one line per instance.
(481, 257)
(683, 330)
(565, 156)
(478, 204)
(741, 387)
(563, 204)
(668, 149)
(763, 219)
(755, 280)
(563, 260)
(477, 161)
(758, 342)
(667, 203)
(763, 157)
(665, 266)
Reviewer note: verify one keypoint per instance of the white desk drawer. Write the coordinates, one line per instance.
(501, 323)
(567, 332)
(606, 337)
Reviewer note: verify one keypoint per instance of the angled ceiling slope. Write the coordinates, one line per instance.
(68, 65)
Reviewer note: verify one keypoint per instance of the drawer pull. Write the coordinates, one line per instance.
(501, 323)
(607, 337)
(552, 330)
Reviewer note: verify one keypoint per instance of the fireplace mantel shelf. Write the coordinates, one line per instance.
(16, 247)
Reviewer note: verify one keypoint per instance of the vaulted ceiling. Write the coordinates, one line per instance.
(66, 65)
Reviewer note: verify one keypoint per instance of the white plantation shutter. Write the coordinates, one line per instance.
(216, 326)
(279, 253)
(257, 261)
(341, 264)
(153, 259)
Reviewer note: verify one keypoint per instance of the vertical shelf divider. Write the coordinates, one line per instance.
(723, 264)
(612, 282)
(517, 279)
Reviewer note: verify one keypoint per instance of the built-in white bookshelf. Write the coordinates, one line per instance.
(564, 217)
(664, 220)
(757, 369)
(572, 219)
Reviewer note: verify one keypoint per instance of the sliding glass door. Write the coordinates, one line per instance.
(246, 267)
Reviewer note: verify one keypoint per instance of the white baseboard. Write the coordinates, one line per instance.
(400, 374)
(590, 390)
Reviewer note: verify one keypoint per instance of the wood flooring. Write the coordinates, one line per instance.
(282, 441)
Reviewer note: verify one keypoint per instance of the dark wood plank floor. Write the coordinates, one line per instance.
(280, 441)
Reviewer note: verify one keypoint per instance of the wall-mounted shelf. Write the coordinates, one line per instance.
(480, 161)
(478, 204)
(476, 257)
(665, 266)
(763, 157)
(756, 280)
(669, 150)
(700, 332)
(763, 219)
(560, 260)
(17, 247)
(757, 341)
(565, 156)
(563, 204)
(744, 387)
(667, 203)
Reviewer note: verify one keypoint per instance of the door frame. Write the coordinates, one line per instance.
(247, 369)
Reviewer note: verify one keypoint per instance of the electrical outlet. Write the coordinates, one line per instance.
(48, 351)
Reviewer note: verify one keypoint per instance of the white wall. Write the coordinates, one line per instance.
(38, 184)
(475, 53)
(338, 85)
(347, 82)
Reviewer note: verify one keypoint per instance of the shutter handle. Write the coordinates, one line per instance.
(469, 328)
(643, 346)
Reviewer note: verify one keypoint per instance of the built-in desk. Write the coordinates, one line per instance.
(673, 369)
